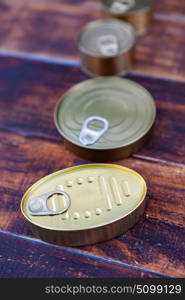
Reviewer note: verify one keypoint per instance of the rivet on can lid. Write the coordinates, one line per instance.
(90, 179)
(76, 215)
(69, 183)
(79, 180)
(87, 214)
(98, 211)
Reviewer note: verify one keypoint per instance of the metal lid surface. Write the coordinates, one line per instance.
(100, 194)
(126, 7)
(128, 108)
(108, 37)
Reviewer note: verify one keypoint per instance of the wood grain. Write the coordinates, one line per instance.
(50, 29)
(147, 245)
(43, 27)
(171, 8)
(31, 148)
(23, 258)
(160, 53)
(29, 92)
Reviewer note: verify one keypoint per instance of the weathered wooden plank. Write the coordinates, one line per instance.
(50, 29)
(29, 92)
(171, 8)
(156, 243)
(28, 259)
(43, 27)
(160, 53)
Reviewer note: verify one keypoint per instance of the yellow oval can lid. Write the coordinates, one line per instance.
(84, 197)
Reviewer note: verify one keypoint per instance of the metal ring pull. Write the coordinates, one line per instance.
(89, 136)
(122, 6)
(108, 44)
(38, 207)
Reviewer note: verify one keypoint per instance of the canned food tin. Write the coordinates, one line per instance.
(105, 118)
(84, 204)
(136, 12)
(106, 47)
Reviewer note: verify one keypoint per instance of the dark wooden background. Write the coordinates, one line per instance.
(39, 61)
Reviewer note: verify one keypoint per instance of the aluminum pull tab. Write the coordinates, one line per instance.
(38, 206)
(89, 136)
(122, 6)
(108, 44)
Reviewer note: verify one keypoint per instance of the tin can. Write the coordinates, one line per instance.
(106, 47)
(85, 204)
(106, 118)
(136, 12)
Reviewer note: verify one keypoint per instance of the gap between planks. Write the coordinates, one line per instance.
(69, 62)
(55, 141)
(170, 18)
(158, 160)
(82, 253)
(75, 63)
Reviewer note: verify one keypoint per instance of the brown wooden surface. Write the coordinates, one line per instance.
(30, 146)
(27, 159)
(49, 29)
(31, 259)
(31, 90)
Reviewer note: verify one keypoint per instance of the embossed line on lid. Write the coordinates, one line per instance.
(64, 216)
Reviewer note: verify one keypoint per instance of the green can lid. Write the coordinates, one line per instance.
(109, 37)
(128, 108)
(124, 7)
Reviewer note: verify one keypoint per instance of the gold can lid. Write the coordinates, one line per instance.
(105, 113)
(84, 197)
(126, 7)
(106, 38)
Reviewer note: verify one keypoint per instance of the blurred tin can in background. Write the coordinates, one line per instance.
(85, 204)
(136, 12)
(105, 118)
(106, 47)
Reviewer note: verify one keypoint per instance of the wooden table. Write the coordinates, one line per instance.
(38, 63)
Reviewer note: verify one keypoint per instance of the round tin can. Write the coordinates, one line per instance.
(84, 204)
(136, 12)
(106, 47)
(105, 118)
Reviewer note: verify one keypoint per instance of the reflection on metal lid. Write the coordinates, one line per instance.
(102, 195)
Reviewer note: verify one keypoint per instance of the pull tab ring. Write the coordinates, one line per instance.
(38, 206)
(122, 6)
(108, 44)
(89, 136)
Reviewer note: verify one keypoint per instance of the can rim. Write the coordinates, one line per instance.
(93, 24)
(45, 178)
(129, 13)
(76, 87)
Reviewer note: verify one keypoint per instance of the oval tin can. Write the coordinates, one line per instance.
(136, 12)
(126, 110)
(106, 200)
(106, 47)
